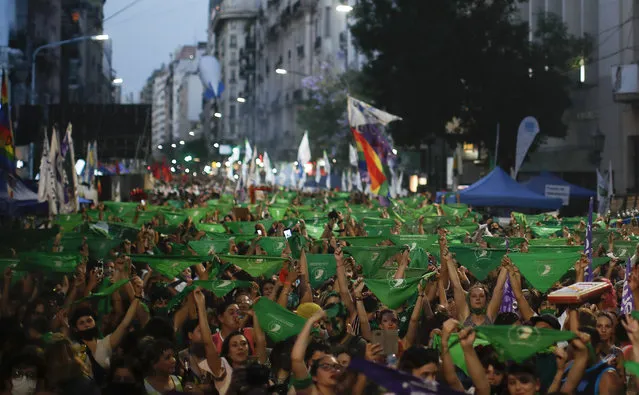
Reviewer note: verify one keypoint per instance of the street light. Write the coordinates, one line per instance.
(345, 8)
(281, 71)
(173, 145)
(117, 81)
(182, 142)
(34, 57)
(160, 146)
(217, 115)
(216, 145)
(285, 71)
(241, 100)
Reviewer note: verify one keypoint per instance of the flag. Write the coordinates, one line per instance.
(59, 175)
(352, 155)
(455, 349)
(221, 288)
(543, 270)
(235, 156)
(508, 296)
(496, 148)
(7, 146)
(602, 194)
(479, 261)
(518, 343)
(256, 266)
(373, 146)
(588, 275)
(344, 186)
(46, 184)
(303, 157)
(327, 169)
(627, 299)
(74, 203)
(321, 267)
(269, 177)
(528, 130)
(394, 292)
(372, 258)
(276, 321)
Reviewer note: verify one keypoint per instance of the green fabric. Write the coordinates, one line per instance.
(277, 322)
(209, 247)
(631, 367)
(455, 349)
(256, 266)
(272, 245)
(479, 261)
(543, 270)
(500, 242)
(221, 287)
(424, 241)
(48, 262)
(211, 228)
(518, 343)
(321, 267)
(105, 291)
(418, 258)
(247, 227)
(372, 258)
(547, 242)
(370, 221)
(167, 266)
(297, 242)
(546, 231)
(379, 231)
(25, 239)
(368, 241)
(393, 293)
(68, 222)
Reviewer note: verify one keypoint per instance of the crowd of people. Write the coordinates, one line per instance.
(151, 314)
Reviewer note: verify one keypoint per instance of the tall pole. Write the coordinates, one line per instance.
(101, 37)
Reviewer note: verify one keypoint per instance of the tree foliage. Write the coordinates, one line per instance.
(431, 61)
(323, 114)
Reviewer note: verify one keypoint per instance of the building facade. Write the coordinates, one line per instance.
(602, 127)
(254, 39)
(159, 111)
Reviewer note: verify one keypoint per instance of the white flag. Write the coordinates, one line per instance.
(235, 156)
(269, 177)
(352, 155)
(528, 130)
(327, 168)
(303, 157)
(603, 193)
(349, 185)
(58, 176)
(360, 113)
(344, 186)
(74, 202)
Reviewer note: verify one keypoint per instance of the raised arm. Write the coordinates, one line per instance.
(212, 357)
(298, 365)
(120, 331)
(495, 300)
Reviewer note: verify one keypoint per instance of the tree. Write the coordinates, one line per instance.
(431, 61)
(324, 113)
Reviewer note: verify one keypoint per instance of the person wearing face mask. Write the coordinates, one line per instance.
(98, 351)
(124, 378)
(26, 373)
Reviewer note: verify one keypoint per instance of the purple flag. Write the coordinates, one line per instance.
(588, 275)
(397, 382)
(627, 299)
(508, 297)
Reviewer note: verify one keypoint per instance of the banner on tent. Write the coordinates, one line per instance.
(558, 191)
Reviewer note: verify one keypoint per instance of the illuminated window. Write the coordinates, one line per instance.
(468, 147)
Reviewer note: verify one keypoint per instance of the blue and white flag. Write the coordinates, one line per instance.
(588, 275)
(627, 299)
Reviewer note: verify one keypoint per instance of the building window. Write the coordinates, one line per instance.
(232, 41)
(233, 57)
(232, 76)
(327, 22)
(232, 111)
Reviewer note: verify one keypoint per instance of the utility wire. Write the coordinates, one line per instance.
(121, 10)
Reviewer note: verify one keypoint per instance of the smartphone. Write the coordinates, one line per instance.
(389, 340)
(143, 202)
(288, 233)
(259, 232)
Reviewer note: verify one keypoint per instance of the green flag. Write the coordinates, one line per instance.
(209, 247)
(547, 242)
(221, 287)
(518, 343)
(426, 242)
(297, 242)
(167, 266)
(543, 270)
(379, 231)
(272, 245)
(632, 368)
(48, 262)
(358, 241)
(480, 261)
(393, 293)
(455, 349)
(106, 289)
(500, 242)
(546, 231)
(256, 266)
(321, 267)
(277, 322)
(211, 228)
(372, 258)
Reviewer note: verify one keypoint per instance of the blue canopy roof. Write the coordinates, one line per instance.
(538, 185)
(498, 189)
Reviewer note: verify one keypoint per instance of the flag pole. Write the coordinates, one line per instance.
(496, 147)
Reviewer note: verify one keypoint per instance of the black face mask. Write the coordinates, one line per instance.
(88, 334)
(198, 349)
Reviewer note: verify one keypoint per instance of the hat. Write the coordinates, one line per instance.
(306, 310)
(548, 319)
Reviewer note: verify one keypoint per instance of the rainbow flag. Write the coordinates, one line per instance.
(7, 148)
(373, 147)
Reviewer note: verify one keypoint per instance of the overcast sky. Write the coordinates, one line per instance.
(144, 35)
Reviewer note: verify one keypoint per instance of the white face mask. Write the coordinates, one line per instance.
(23, 386)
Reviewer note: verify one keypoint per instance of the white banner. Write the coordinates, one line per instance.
(558, 191)
(528, 130)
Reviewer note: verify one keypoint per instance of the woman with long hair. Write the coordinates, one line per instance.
(66, 373)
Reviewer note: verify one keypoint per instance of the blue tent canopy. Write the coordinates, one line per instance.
(24, 200)
(538, 185)
(498, 189)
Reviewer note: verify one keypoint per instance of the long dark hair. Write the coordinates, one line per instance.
(226, 344)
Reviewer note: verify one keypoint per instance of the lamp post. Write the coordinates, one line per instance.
(281, 71)
(99, 37)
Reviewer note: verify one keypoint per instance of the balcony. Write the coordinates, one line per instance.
(234, 10)
(625, 83)
(286, 16)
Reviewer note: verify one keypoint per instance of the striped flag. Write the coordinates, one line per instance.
(588, 275)
(373, 147)
(627, 299)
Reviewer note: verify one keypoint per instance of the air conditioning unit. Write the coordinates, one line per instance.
(625, 83)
